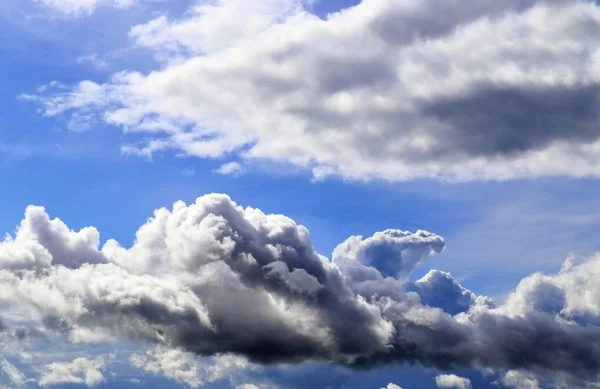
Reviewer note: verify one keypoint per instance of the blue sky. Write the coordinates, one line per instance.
(525, 209)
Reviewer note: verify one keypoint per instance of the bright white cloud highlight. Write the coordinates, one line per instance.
(451, 381)
(79, 371)
(390, 89)
(392, 386)
(520, 380)
(186, 368)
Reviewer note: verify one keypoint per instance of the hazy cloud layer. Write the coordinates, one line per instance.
(391, 89)
(214, 278)
(16, 377)
(82, 7)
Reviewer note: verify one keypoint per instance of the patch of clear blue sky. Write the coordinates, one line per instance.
(324, 7)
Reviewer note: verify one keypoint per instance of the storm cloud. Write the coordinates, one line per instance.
(213, 278)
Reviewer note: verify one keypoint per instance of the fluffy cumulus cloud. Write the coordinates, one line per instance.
(185, 368)
(452, 381)
(230, 168)
(389, 89)
(79, 371)
(82, 7)
(520, 380)
(215, 279)
(392, 386)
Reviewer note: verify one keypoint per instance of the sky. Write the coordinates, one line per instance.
(299, 193)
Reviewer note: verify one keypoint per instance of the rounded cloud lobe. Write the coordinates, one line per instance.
(214, 278)
(452, 381)
(388, 89)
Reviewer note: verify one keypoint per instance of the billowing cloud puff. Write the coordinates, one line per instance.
(452, 381)
(439, 289)
(79, 371)
(393, 253)
(390, 89)
(392, 386)
(573, 294)
(213, 278)
(520, 380)
(184, 367)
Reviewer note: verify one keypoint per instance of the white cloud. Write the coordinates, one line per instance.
(452, 381)
(81, 7)
(211, 26)
(390, 89)
(520, 380)
(15, 376)
(185, 368)
(215, 279)
(247, 386)
(392, 386)
(230, 168)
(93, 59)
(573, 293)
(79, 371)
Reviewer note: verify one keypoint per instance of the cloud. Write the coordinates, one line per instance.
(388, 89)
(211, 26)
(520, 380)
(185, 368)
(452, 381)
(82, 7)
(392, 386)
(247, 386)
(215, 279)
(79, 371)
(15, 376)
(230, 168)
(439, 289)
(393, 253)
(94, 60)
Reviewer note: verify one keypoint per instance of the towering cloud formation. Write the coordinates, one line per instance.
(214, 278)
(392, 89)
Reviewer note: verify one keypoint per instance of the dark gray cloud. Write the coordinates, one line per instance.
(493, 121)
(214, 278)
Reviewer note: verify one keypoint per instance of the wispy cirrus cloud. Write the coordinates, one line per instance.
(82, 7)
